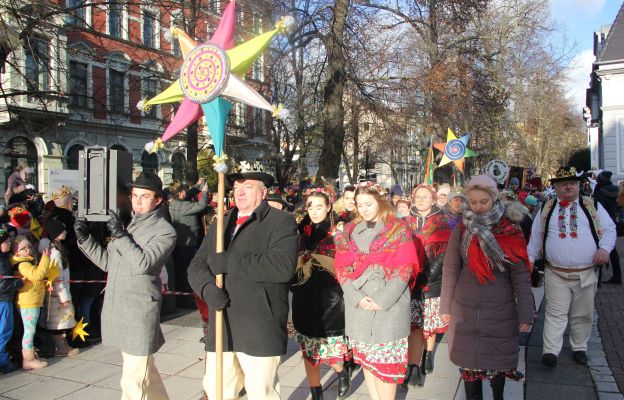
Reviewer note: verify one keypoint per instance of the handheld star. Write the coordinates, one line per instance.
(455, 150)
(209, 75)
(79, 330)
(54, 271)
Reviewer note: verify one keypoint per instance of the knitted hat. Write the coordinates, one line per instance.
(514, 181)
(444, 189)
(53, 228)
(19, 216)
(483, 181)
(396, 189)
(454, 194)
(531, 200)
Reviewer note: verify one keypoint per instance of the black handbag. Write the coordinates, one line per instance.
(537, 275)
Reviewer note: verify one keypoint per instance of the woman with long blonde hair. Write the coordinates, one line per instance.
(376, 262)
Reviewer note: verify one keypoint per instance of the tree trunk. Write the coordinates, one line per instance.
(333, 109)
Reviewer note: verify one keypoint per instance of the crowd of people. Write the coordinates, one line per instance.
(366, 279)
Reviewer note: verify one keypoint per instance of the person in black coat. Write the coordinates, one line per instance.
(606, 194)
(317, 303)
(259, 259)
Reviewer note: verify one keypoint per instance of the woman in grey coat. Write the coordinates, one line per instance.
(486, 292)
(375, 263)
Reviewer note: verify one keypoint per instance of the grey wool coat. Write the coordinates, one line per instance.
(261, 260)
(483, 331)
(391, 295)
(131, 312)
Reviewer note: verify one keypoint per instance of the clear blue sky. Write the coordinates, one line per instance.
(579, 19)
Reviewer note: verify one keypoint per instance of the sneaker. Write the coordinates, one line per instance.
(580, 357)
(549, 360)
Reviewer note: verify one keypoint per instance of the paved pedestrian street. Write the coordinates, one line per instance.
(94, 374)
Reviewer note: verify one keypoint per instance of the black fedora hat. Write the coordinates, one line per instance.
(150, 181)
(278, 199)
(250, 171)
(566, 174)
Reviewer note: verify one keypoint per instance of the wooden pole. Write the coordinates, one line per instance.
(219, 282)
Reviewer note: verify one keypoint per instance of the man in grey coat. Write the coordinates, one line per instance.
(185, 217)
(133, 259)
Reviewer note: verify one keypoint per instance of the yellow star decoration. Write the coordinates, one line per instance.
(79, 330)
(54, 271)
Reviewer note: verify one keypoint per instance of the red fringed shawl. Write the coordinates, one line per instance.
(392, 249)
(510, 239)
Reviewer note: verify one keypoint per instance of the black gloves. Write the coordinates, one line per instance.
(82, 230)
(216, 298)
(116, 226)
(218, 263)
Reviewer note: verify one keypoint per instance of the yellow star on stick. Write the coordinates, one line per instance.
(79, 330)
(53, 272)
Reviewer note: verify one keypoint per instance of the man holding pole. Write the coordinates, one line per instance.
(258, 261)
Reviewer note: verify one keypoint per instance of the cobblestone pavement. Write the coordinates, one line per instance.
(610, 308)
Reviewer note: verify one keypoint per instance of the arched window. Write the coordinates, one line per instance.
(149, 162)
(20, 152)
(177, 162)
(72, 156)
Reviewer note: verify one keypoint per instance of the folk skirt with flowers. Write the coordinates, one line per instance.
(329, 350)
(426, 316)
(387, 361)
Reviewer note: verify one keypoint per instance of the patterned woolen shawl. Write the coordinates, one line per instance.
(490, 241)
(392, 249)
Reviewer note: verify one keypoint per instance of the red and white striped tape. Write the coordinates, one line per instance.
(164, 292)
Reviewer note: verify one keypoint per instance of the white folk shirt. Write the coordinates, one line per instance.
(569, 252)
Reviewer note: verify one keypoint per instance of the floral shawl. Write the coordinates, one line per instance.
(316, 248)
(392, 249)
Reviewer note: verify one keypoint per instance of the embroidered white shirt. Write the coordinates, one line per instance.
(571, 252)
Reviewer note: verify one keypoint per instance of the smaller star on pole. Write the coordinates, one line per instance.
(455, 150)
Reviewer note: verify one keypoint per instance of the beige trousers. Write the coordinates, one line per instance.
(257, 374)
(567, 301)
(140, 379)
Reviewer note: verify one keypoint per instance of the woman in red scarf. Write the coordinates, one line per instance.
(375, 263)
(486, 291)
(431, 232)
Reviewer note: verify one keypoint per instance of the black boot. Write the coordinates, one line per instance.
(429, 356)
(498, 386)
(352, 367)
(317, 392)
(414, 376)
(344, 383)
(474, 390)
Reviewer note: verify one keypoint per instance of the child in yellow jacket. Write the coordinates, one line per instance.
(30, 297)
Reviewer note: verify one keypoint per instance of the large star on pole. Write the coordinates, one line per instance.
(455, 150)
(209, 75)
